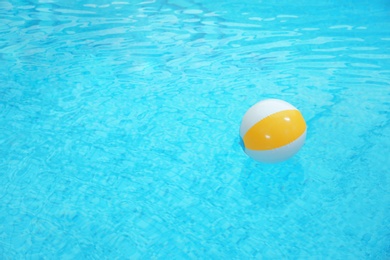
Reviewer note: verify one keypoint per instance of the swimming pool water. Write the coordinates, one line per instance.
(119, 129)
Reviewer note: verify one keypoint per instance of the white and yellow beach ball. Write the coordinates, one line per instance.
(272, 131)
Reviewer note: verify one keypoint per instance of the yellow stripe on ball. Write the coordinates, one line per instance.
(275, 131)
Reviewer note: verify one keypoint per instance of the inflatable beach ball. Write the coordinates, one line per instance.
(272, 131)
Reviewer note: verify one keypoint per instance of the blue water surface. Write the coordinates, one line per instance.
(119, 129)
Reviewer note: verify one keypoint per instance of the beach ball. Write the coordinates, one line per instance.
(272, 131)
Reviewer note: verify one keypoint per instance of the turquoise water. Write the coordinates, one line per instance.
(119, 129)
